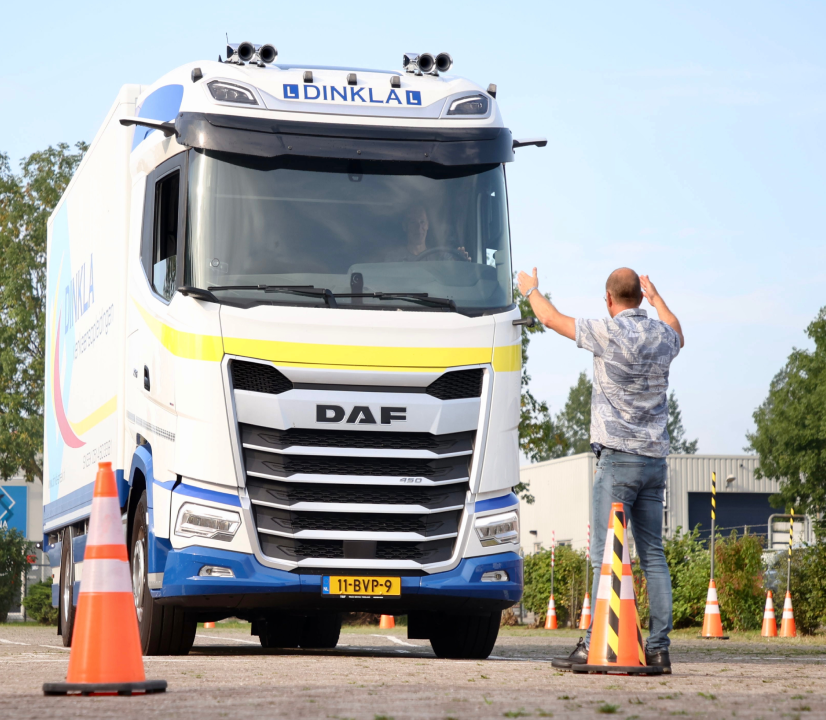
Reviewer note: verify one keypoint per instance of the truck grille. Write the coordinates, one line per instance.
(401, 495)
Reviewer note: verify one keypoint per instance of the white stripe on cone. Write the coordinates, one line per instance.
(608, 555)
(712, 595)
(106, 576)
(627, 588)
(107, 528)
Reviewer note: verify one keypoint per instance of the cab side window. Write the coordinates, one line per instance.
(164, 262)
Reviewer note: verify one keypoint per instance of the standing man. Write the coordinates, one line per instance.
(629, 412)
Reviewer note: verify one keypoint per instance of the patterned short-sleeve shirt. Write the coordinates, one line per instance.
(632, 354)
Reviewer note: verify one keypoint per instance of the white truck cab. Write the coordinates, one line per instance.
(280, 302)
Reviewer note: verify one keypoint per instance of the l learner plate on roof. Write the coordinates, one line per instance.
(361, 586)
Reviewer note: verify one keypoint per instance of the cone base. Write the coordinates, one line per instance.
(619, 669)
(130, 688)
(713, 637)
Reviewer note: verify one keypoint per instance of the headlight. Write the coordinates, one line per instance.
(227, 92)
(207, 522)
(473, 105)
(498, 529)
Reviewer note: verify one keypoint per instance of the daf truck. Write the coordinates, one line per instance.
(280, 303)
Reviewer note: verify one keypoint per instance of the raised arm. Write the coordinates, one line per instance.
(655, 299)
(544, 309)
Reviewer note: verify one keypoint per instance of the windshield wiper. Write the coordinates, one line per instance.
(306, 290)
(419, 298)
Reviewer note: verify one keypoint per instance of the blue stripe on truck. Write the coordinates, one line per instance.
(211, 495)
(496, 503)
(81, 499)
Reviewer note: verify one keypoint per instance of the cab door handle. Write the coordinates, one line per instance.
(146, 383)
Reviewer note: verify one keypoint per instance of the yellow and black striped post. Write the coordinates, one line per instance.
(616, 588)
(789, 568)
(713, 517)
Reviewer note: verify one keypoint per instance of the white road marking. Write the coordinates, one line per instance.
(398, 641)
(215, 637)
(11, 642)
(55, 647)
(517, 659)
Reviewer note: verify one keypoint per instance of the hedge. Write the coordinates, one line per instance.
(740, 578)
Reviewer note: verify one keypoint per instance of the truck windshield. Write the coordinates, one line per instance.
(348, 227)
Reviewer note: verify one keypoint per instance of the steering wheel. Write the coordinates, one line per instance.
(452, 252)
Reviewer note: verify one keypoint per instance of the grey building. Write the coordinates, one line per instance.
(563, 490)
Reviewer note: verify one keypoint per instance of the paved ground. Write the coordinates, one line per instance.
(378, 675)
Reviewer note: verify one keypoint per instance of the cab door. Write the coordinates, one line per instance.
(152, 411)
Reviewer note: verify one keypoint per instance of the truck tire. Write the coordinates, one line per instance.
(467, 637)
(67, 583)
(321, 632)
(286, 632)
(164, 629)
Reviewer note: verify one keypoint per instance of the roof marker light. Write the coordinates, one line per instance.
(352, 79)
(196, 74)
(492, 90)
(395, 81)
(308, 76)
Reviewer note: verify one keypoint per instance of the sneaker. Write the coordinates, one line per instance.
(659, 658)
(578, 657)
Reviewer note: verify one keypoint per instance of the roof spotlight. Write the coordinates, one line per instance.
(245, 51)
(267, 53)
(409, 62)
(443, 62)
(426, 62)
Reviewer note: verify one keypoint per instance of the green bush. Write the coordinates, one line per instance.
(13, 550)
(808, 586)
(569, 574)
(689, 563)
(739, 577)
(38, 603)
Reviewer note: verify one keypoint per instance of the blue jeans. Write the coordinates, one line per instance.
(638, 482)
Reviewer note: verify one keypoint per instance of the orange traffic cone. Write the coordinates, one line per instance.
(712, 625)
(550, 616)
(787, 628)
(769, 621)
(209, 626)
(387, 622)
(585, 618)
(106, 647)
(616, 636)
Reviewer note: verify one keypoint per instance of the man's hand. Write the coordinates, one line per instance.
(526, 282)
(655, 299)
(545, 311)
(649, 292)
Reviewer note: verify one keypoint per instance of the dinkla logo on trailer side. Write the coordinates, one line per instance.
(359, 415)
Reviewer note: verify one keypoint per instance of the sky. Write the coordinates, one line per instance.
(685, 140)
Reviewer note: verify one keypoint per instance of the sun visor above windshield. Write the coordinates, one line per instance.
(271, 138)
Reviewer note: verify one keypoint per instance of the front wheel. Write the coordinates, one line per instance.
(466, 637)
(164, 629)
(67, 589)
(321, 632)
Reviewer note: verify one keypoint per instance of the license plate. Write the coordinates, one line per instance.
(361, 586)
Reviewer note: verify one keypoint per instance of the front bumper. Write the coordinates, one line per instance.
(257, 586)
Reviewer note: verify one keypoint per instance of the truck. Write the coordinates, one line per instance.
(280, 303)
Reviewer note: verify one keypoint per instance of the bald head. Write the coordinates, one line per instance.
(624, 286)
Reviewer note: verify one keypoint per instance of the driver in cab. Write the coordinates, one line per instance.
(415, 227)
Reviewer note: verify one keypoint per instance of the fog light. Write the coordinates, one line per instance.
(495, 576)
(216, 571)
(206, 522)
(498, 529)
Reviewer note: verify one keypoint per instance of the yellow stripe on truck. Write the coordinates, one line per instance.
(507, 358)
(184, 344)
(95, 418)
(357, 356)
(211, 348)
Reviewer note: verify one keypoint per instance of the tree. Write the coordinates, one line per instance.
(676, 431)
(26, 201)
(575, 417)
(790, 427)
(13, 550)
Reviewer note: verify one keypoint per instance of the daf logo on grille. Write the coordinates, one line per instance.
(359, 415)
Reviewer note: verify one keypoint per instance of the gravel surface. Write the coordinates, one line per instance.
(378, 675)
